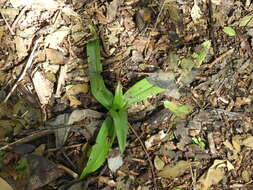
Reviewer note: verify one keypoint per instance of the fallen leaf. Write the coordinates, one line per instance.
(158, 163)
(196, 13)
(49, 4)
(248, 142)
(54, 56)
(175, 171)
(4, 185)
(54, 39)
(155, 139)
(245, 20)
(43, 87)
(229, 31)
(178, 109)
(214, 174)
(112, 10)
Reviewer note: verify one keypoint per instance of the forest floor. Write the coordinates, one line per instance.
(49, 118)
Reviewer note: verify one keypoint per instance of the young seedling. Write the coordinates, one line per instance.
(116, 123)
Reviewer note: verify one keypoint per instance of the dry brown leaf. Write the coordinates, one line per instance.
(54, 39)
(54, 56)
(155, 139)
(174, 171)
(112, 10)
(48, 4)
(214, 174)
(248, 142)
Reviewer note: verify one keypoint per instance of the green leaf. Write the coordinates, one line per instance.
(118, 101)
(198, 141)
(120, 126)
(178, 109)
(100, 150)
(98, 88)
(229, 31)
(140, 91)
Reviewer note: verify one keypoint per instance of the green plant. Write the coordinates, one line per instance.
(116, 123)
(198, 141)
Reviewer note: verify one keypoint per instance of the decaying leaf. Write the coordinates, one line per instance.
(43, 87)
(196, 13)
(155, 139)
(214, 174)
(158, 163)
(54, 39)
(54, 56)
(175, 171)
(178, 109)
(245, 20)
(112, 10)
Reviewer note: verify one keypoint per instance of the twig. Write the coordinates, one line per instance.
(154, 28)
(210, 26)
(27, 139)
(68, 171)
(22, 12)
(9, 27)
(27, 66)
(149, 160)
(222, 56)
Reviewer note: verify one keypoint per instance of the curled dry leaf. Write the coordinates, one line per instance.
(175, 171)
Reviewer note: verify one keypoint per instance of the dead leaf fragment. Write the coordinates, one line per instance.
(158, 163)
(155, 139)
(54, 56)
(214, 174)
(43, 87)
(174, 171)
(4, 185)
(49, 4)
(112, 10)
(53, 40)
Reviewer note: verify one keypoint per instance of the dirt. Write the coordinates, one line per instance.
(48, 115)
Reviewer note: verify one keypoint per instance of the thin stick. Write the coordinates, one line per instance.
(9, 27)
(27, 66)
(154, 28)
(22, 12)
(222, 56)
(146, 152)
(27, 139)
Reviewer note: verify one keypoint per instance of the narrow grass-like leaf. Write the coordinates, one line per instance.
(118, 101)
(140, 91)
(120, 126)
(100, 150)
(98, 88)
